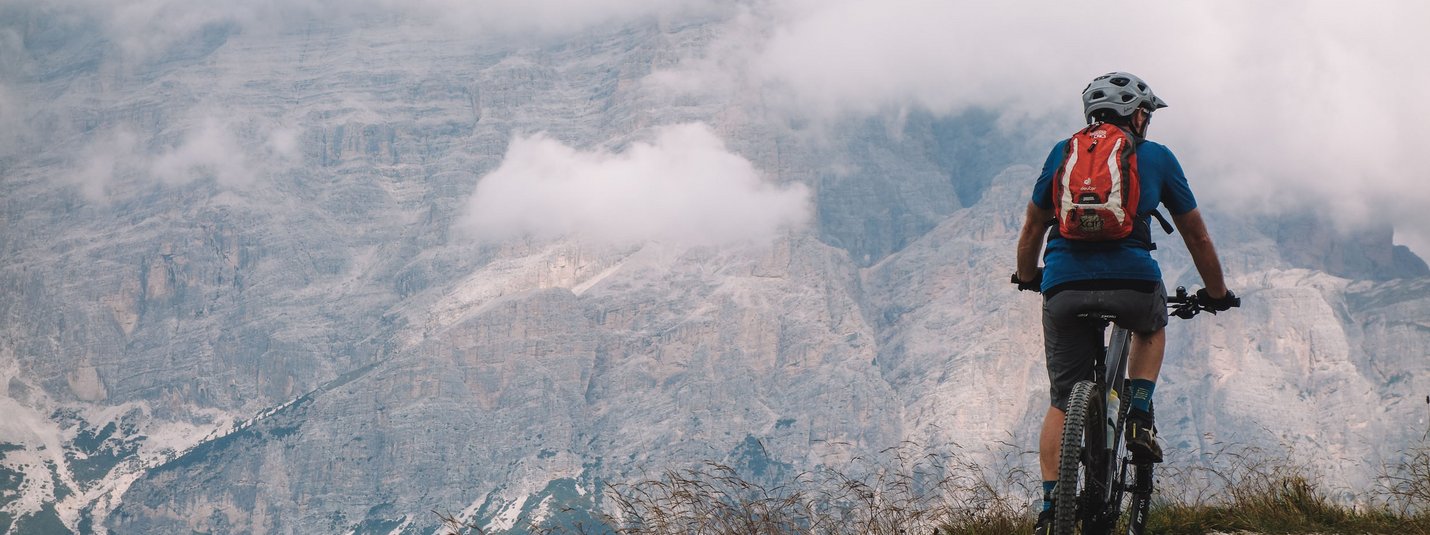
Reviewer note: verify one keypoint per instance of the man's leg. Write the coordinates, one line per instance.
(1050, 443)
(1049, 447)
(1067, 342)
(1144, 361)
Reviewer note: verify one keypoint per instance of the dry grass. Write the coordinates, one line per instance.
(1406, 484)
(1246, 489)
(1235, 490)
(912, 493)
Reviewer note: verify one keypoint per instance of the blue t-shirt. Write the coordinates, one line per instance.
(1162, 182)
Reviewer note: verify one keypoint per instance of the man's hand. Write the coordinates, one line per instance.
(1035, 285)
(1214, 304)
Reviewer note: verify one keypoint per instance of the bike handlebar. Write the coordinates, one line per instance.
(1185, 306)
(1181, 304)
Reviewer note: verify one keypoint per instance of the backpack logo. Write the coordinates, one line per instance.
(1096, 189)
(1089, 222)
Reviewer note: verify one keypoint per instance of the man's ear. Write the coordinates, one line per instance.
(1140, 119)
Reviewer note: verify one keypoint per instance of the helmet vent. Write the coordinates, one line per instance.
(1127, 97)
(1098, 94)
(1119, 81)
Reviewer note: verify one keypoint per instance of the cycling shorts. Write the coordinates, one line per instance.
(1071, 342)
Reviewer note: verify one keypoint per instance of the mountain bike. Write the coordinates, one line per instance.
(1093, 468)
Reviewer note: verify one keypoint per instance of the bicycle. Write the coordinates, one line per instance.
(1093, 464)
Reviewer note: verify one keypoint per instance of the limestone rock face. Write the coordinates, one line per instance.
(236, 296)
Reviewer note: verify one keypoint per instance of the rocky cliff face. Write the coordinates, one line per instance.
(236, 296)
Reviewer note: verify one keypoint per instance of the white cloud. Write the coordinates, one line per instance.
(1270, 100)
(284, 144)
(685, 187)
(848, 56)
(1303, 106)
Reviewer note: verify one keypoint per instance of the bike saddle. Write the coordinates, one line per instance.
(1098, 316)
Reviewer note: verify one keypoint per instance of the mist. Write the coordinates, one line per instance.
(1310, 106)
(235, 153)
(1283, 107)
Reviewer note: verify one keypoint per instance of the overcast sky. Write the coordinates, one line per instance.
(1305, 106)
(1313, 106)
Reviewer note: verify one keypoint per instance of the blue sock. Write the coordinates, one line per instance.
(1142, 394)
(1048, 494)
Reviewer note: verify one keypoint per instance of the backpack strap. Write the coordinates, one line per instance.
(1166, 227)
(1141, 233)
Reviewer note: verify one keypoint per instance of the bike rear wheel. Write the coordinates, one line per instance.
(1082, 466)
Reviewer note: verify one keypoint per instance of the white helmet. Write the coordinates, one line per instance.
(1120, 92)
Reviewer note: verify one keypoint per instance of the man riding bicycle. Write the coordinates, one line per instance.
(1119, 277)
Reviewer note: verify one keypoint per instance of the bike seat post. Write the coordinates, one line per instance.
(1100, 321)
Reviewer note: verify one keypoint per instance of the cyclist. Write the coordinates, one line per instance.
(1118, 277)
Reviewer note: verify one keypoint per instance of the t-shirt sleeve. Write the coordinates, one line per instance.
(1176, 193)
(1043, 190)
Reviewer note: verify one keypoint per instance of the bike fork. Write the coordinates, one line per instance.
(1141, 499)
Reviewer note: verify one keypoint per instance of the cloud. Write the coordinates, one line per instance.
(685, 187)
(235, 154)
(1275, 105)
(1302, 106)
(111, 155)
(209, 149)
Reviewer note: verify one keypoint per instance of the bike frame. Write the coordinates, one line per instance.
(1113, 381)
(1102, 506)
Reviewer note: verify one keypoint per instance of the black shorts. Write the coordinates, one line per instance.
(1071, 342)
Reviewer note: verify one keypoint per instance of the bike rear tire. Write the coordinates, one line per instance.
(1078, 463)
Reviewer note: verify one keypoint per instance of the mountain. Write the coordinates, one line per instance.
(238, 295)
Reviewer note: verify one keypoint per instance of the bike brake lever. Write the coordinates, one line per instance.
(1186, 311)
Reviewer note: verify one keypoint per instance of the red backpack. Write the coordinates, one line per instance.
(1096, 190)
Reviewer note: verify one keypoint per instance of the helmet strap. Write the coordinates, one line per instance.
(1141, 118)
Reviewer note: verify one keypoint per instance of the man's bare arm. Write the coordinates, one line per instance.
(1030, 241)
(1199, 243)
